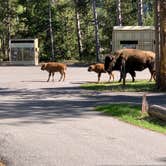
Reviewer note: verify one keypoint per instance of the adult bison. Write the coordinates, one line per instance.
(130, 60)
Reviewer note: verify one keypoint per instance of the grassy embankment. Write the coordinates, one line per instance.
(125, 112)
(132, 114)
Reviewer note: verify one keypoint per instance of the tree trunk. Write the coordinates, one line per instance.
(96, 31)
(78, 28)
(163, 46)
(9, 27)
(51, 33)
(140, 13)
(157, 41)
(119, 13)
(157, 111)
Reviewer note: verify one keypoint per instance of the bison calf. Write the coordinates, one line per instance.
(53, 67)
(99, 69)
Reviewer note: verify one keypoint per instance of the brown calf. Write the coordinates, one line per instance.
(99, 69)
(53, 67)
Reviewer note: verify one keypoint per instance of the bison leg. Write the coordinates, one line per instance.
(124, 78)
(99, 75)
(49, 76)
(133, 74)
(133, 79)
(63, 75)
(123, 71)
(111, 75)
(152, 71)
(153, 74)
(53, 76)
(120, 77)
(150, 78)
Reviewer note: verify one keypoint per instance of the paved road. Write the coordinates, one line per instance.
(53, 124)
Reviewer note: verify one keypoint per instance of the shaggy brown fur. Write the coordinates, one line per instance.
(131, 60)
(53, 67)
(99, 69)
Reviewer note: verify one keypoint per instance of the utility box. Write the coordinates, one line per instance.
(138, 37)
(23, 51)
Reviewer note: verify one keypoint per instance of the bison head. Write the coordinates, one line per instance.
(91, 68)
(43, 66)
(109, 63)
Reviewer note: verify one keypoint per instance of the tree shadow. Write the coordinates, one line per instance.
(154, 121)
(45, 104)
(116, 86)
(162, 159)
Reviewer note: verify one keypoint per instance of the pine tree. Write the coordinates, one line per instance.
(96, 31)
(140, 12)
(163, 45)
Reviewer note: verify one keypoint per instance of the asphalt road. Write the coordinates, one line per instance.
(53, 124)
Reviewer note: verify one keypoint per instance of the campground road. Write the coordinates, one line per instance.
(53, 123)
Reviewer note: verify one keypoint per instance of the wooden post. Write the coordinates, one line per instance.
(144, 104)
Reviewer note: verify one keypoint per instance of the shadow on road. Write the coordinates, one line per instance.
(41, 105)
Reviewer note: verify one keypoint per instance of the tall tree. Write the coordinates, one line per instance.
(8, 13)
(51, 32)
(140, 12)
(157, 41)
(78, 28)
(163, 45)
(30, 19)
(119, 13)
(96, 30)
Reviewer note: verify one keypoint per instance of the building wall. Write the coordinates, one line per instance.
(142, 38)
(24, 51)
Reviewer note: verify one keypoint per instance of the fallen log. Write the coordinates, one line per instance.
(157, 111)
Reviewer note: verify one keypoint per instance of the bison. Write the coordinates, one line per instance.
(130, 60)
(99, 69)
(53, 67)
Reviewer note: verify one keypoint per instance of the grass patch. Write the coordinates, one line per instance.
(137, 86)
(132, 114)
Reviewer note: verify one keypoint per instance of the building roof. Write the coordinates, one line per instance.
(132, 28)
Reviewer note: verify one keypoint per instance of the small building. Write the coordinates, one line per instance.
(23, 51)
(138, 37)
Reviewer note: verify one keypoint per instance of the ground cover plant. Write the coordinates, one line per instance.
(132, 114)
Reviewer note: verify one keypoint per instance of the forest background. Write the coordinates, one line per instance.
(31, 19)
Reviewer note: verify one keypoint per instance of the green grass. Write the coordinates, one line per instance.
(137, 86)
(132, 114)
